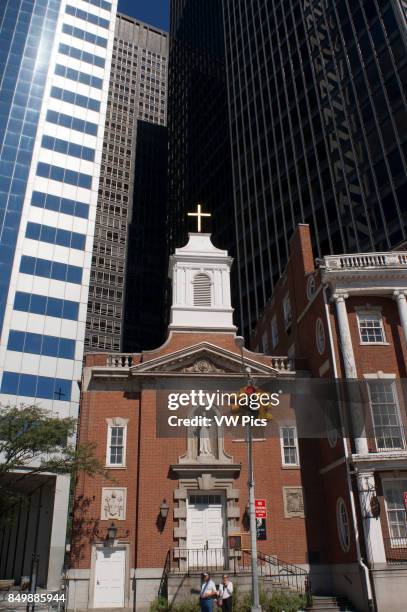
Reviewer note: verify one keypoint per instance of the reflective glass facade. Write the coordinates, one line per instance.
(54, 75)
(316, 96)
(318, 122)
(27, 29)
(199, 149)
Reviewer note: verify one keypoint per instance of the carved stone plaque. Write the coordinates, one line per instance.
(293, 502)
(113, 504)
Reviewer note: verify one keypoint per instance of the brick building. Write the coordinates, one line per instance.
(347, 316)
(175, 499)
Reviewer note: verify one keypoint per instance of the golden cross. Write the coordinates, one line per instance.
(199, 216)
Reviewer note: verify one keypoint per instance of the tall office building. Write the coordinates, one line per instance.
(199, 150)
(137, 99)
(54, 74)
(317, 107)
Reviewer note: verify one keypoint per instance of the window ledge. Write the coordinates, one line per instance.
(375, 343)
(115, 467)
(291, 467)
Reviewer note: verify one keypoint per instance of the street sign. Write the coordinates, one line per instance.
(261, 532)
(260, 507)
(405, 500)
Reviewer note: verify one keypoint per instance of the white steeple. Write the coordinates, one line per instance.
(200, 276)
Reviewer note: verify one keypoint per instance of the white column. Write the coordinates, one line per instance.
(345, 336)
(361, 446)
(372, 527)
(400, 298)
(58, 531)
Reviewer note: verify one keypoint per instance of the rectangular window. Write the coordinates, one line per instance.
(396, 511)
(51, 269)
(54, 235)
(89, 17)
(385, 415)
(287, 311)
(41, 304)
(36, 386)
(289, 445)
(62, 205)
(79, 125)
(116, 445)
(80, 77)
(83, 56)
(64, 175)
(101, 4)
(274, 332)
(74, 98)
(371, 328)
(67, 148)
(83, 35)
(37, 344)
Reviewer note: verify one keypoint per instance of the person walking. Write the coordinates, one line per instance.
(225, 593)
(208, 593)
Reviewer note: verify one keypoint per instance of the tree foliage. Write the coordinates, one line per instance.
(35, 441)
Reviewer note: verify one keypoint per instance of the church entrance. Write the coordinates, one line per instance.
(206, 530)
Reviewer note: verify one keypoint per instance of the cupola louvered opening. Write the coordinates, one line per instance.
(202, 290)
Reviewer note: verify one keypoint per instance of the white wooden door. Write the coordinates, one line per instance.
(109, 578)
(205, 531)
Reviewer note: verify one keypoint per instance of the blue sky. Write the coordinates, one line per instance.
(153, 12)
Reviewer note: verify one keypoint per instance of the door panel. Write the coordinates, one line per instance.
(109, 578)
(205, 531)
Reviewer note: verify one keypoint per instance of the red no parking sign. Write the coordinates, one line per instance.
(260, 507)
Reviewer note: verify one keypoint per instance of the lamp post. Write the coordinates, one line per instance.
(250, 484)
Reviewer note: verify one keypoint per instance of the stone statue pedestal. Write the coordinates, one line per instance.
(206, 458)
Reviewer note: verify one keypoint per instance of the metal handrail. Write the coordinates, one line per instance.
(284, 574)
(162, 589)
(193, 560)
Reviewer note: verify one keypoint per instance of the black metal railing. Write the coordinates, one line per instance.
(270, 568)
(396, 550)
(280, 573)
(163, 588)
(201, 559)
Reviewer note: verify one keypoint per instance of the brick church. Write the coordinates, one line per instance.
(172, 504)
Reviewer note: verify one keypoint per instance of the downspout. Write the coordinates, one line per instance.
(361, 563)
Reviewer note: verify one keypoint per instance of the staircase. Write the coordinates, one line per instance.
(326, 603)
(180, 580)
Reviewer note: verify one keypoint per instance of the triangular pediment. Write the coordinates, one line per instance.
(203, 359)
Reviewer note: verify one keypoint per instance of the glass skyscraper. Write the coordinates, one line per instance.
(54, 75)
(316, 92)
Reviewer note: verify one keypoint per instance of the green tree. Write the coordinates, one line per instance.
(35, 441)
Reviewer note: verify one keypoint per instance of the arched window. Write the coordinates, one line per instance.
(202, 290)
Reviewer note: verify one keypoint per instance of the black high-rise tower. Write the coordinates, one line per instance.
(317, 130)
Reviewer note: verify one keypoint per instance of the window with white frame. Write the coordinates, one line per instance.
(274, 332)
(287, 311)
(289, 445)
(116, 445)
(393, 491)
(385, 415)
(371, 328)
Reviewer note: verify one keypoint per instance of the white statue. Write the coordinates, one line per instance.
(204, 442)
